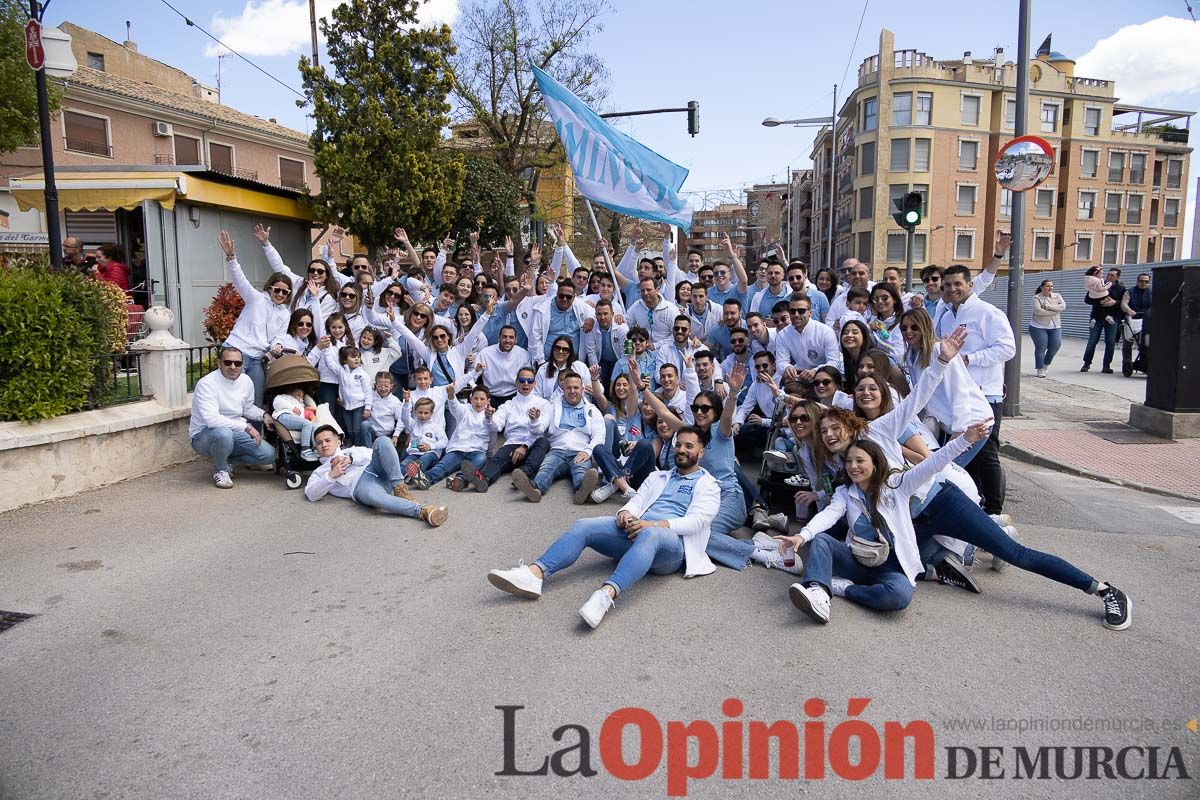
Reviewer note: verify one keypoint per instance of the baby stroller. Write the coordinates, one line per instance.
(284, 374)
(1133, 332)
(778, 482)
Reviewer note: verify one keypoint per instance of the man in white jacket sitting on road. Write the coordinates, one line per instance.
(662, 528)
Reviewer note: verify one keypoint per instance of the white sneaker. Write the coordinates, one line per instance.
(812, 600)
(764, 541)
(776, 459)
(773, 559)
(839, 586)
(596, 607)
(519, 580)
(222, 479)
(603, 492)
(779, 522)
(1003, 520)
(1041, 373)
(629, 493)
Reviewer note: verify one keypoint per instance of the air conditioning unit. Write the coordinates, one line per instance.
(163, 129)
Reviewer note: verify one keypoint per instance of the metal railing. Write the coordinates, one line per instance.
(200, 361)
(288, 183)
(91, 148)
(118, 380)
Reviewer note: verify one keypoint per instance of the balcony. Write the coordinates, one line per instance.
(89, 147)
(293, 183)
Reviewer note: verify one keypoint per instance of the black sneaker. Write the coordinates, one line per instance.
(1085, 368)
(1118, 609)
(951, 572)
(1107, 370)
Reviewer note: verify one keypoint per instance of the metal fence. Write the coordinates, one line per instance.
(118, 381)
(200, 361)
(1068, 283)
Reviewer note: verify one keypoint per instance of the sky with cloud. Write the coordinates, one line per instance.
(743, 63)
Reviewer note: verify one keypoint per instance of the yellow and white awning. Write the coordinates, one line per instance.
(100, 191)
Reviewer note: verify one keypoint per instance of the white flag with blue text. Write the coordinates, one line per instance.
(611, 168)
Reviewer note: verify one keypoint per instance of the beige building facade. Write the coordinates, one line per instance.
(1117, 194)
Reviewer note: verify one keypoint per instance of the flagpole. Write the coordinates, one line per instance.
(607, 258)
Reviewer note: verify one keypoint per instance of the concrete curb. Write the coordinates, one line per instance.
(1030, 457)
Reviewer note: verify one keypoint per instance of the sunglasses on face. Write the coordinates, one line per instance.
(823, 382)
(304, 324)
(525, 381)
(800, 312)
(697, 408)
(801, 419)
(350, 295)
(721, 274)
(316, 271)
(230, 363)
(762, 367)
(737, 341)
(566, 297)
(912, 328)
(558, 348)
(280, 290)
(637, 339)
(437, 337)
(681, 329)
(393, 295)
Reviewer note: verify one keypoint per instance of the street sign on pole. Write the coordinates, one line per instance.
(35, 54)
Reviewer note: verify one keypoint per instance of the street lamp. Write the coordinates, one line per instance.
(772, 122)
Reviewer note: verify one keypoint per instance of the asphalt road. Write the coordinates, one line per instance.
(194, 643)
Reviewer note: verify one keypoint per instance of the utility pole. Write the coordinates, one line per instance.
(312, 23)
(54, 231)
(1012, 369)
(832, 178)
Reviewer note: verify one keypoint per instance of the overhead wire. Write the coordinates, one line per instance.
(192, 24)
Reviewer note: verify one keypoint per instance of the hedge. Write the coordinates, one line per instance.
(53, 326)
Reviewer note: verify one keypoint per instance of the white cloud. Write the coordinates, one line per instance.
(1155, 63)
(281, 27)
(1149, 62)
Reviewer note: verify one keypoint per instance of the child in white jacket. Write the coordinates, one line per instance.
(426, 439)
(377, 355)
(354, 392)
(296, 411)
(468, 445)
(386, 410)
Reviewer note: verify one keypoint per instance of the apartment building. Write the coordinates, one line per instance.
(1116, 196)
(711, 226)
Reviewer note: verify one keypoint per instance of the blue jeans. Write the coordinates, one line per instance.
(226, 446)
(500, 461)
(557, 463)
(657, 550)
(452, 461)
(607, 461)
(375, 487)
(640, 463)
(723, 548)
(882, 588)
(424, 460)
(1108, 327)
(1046, 342)
(300, 424)
(253, 367)
(951, 513)
(353, 426)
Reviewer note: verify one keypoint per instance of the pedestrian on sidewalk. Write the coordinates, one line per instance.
(1106, 317)
(1045, 325)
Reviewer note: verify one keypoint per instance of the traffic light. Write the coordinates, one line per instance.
(908, 210)
(693, 117)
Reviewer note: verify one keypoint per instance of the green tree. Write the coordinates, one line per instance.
(493, 84)
(18, 100)
(377, 139)
(490, 203)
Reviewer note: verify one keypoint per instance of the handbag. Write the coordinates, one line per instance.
(870, 552)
